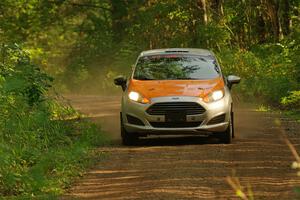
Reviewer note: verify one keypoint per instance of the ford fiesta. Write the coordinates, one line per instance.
(176, 92)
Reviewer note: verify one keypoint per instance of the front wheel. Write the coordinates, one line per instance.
(127, 138)
(227, 135)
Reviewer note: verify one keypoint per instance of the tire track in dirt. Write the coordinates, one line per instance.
(189, 167)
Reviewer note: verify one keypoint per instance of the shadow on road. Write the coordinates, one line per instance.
(171, 141)
(112, 129)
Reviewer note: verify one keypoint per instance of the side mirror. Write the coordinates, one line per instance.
(121, 81)
(232, 79)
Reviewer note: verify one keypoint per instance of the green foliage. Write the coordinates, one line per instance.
(84, 43)
(20, 77)
(268, 71)
(292, 101)
(213, 36)
(40, 147)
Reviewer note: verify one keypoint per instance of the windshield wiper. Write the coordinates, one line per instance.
(203, 59)
(186, 78)
(143, 78)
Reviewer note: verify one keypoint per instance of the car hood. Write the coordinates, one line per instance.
(159, 88)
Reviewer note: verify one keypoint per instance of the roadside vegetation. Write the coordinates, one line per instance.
(43, 144)
(84, 44)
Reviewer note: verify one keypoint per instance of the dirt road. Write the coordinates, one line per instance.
(190, 167)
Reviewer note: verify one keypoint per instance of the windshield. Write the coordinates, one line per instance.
(176, 67)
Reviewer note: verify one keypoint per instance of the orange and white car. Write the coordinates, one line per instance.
(176, 92)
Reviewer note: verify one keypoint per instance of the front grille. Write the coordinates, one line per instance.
(134, 120)
(175, 124)
(190, 108)
(216, 120)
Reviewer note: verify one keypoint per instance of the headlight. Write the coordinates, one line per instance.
(217, 95)
(214, 96)
(135, 96)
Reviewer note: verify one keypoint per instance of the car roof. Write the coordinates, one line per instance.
(194, 51)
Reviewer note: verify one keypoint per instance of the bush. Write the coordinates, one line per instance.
(268, 72)
(292, 101)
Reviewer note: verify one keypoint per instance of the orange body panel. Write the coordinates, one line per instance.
(158, 88)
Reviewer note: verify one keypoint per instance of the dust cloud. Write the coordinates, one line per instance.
(103, 110)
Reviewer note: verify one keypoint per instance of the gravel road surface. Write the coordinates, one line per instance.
(190, 167)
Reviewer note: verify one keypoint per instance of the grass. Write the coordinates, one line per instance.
(293, 114)
(31, 170)
(263, 108)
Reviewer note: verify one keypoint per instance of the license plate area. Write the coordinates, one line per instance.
(175, 116)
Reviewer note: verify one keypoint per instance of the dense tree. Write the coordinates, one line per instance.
(83, 44)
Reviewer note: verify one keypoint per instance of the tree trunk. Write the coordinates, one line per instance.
(118, 13)
(273, 13)
(220, 7)
(205, 12)
(217, 6)
(286, 19)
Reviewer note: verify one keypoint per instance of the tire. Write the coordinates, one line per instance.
(232, 121)
(228, 134)
(128, 139)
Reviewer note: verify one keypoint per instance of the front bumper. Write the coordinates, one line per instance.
(138, 110)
